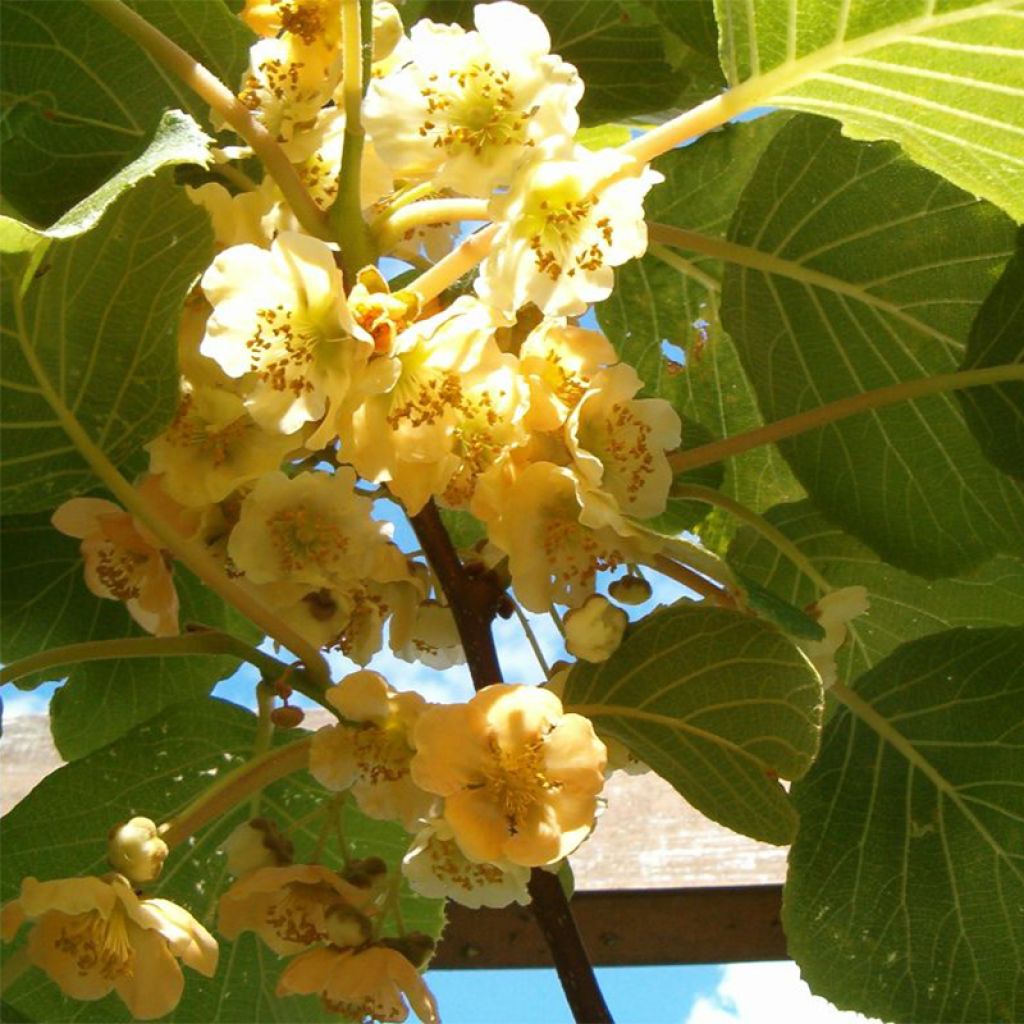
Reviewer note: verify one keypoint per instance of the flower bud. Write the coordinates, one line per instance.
(594, 631)
(387, 29)
(630, 590)
(136, 850)
(346, 927)
(256, 844)
(287, 717)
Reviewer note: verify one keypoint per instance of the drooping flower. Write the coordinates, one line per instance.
(213, 446)
(123, 561)
(564, 223)
(834, 612)
(519, 777)
(436, 867)
(281, 315)
(559, 360)
(364, 985)
(312, 528)
(433, 638)
(257, 843)
(558, 534)
(619, 442)
(466, 107)
(594, 631)
(294, 906)
(372, 758)
(93, 936)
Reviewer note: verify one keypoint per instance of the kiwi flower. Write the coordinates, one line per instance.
(520, 777)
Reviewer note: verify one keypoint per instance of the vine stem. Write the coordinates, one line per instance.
(473, 599)
(191, 554)
(791, 426)
(346, 214)
(223, 101)
(231, 790)
(772, 534)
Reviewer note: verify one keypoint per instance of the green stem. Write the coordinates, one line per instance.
(235, 787)
(346, 213)
(191, 554)
(685, 267)
(223, 101)
(264, 734)
(461, 260)
(791, 426)
(391, 229)
(532, 639)
(772, 534)
(688, 578)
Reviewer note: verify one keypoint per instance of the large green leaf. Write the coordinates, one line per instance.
(60, 830)
(46, 604)
(944, 79)
(100, 322)
(903, 607)
(996, 414)
(906, 880)
(654, 304)
(853, 268)
(178, 140)
(81, 100)
(719, 704)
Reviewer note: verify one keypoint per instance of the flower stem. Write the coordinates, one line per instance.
(264, 734)
(211, 90)
(190, 553)
(748, 516)
(390, 229)
(346, 213)
(532, 639)
(688, 578)
(249, 778)
(462, 259)
(791, 426)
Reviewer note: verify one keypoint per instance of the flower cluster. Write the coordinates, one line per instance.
(316, 396)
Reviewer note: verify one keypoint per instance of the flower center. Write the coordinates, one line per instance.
(118, 570)
(479, 107)
(423, 396)
(516, 779)
(553, 228)
(282, 348)
(302, 537)
(299, 914)
(622, 439)
(97, 944)
(381, 754)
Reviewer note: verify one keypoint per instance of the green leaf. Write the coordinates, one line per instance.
(906, 880)
(655, 305)
(46, 604)
(996, 414)
(178, 140)
(788, 617)
(903, 607)
(854, 269)
(945, 80)
(101, 321)
(82, 100)
(60, 828)
(719, 704)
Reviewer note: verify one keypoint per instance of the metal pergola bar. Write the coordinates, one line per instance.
(627, 927)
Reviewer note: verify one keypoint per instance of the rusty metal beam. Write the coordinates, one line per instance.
(628, 927)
